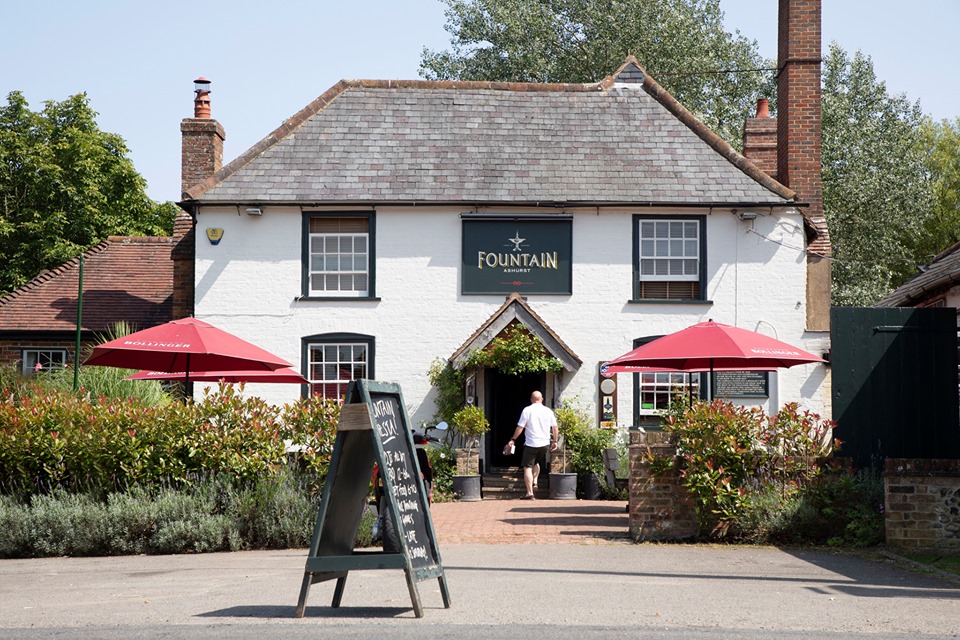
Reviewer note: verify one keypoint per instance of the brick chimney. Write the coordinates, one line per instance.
(201, 156)
(202, 145)
(798, 141)
(760, 139)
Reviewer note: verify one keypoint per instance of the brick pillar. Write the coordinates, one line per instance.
(184, 233)
(922, 504)
(798, 140)
(760, 139)
(660, 506)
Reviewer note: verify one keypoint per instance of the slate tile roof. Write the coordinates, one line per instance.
(941, 274)
(124, 278)
(430, 141)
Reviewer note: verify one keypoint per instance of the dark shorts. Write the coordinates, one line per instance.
(532, 455)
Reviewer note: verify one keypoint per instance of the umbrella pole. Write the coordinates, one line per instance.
(710, 383)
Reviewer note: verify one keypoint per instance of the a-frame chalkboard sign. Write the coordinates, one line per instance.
(373, 428)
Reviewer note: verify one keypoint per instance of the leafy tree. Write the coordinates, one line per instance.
(65, 185)
(940, 144)
(891, 181)
(878, 194)
(681, 43)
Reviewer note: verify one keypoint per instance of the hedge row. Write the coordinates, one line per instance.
(214, 514)
(57, 440)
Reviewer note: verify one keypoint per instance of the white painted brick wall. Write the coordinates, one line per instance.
(250, 282)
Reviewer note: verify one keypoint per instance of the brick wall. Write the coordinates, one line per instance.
(922, 504)
(660, 507)
(183, 265)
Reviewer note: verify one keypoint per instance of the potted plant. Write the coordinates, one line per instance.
(572, 419)
(583, 449)
(470, 423)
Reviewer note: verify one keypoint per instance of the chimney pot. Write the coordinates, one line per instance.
(763, 108)
(201, 102)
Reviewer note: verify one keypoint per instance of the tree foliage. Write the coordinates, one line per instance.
(681, 43)
(891, 179)
(940, 142)
(65, 185)
(878, 194)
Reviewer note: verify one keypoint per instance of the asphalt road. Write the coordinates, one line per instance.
(613, 590)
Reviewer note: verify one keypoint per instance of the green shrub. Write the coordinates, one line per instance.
(836, 509)
(15, 536)
(274, 513)
(734, 459)
(444, 466)
(215, 513)
(56, 440)
(582, 441)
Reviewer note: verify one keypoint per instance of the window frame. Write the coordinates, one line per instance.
(305, 254)
(30, 370)
(339, 339)
(651, 420)
(701, 279)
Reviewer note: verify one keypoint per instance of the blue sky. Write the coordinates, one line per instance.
(137, 60)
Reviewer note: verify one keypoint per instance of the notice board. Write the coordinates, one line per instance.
(374, 429)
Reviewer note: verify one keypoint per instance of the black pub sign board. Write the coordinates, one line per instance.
(523, 255)
(374, 429)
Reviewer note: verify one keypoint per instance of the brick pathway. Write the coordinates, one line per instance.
(531, 522)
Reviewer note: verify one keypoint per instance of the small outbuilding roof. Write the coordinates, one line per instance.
(124, 278)
(941, 274)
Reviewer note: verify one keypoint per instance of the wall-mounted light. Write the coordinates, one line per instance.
(253, 211)
(747, 215)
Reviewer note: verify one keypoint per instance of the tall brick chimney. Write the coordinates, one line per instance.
(201, 156)
(798, 141)
(760, 139)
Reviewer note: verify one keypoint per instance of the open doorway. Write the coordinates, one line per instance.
(506, 396)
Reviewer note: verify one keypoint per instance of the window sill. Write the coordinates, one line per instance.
(336, 299)
(668, 301)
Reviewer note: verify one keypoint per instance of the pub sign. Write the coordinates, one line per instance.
(527, 256)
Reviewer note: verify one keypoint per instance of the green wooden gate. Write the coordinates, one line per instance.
(895, 383)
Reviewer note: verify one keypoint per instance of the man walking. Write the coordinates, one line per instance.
(541, 427)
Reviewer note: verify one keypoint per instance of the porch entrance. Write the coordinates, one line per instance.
(506, 396)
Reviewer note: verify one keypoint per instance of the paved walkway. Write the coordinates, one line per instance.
(531, 522)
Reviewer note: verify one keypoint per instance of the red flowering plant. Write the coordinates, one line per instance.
(727, 454)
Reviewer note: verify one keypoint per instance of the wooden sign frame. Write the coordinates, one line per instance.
(373, 429)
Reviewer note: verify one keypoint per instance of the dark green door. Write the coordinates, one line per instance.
(895, 383)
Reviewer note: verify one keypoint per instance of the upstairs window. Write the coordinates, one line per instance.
(669, 258)
(339, 256)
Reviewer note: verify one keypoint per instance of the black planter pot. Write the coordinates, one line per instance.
(590, 487)
(467, 488)
(563, 486)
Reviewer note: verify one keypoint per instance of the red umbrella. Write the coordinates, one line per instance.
(712, 346)
(181, 346)
(285, 375)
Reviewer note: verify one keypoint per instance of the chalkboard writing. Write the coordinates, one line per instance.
(741, 384)
(404, 477)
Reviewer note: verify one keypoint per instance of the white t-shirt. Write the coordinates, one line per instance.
(537, 421)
